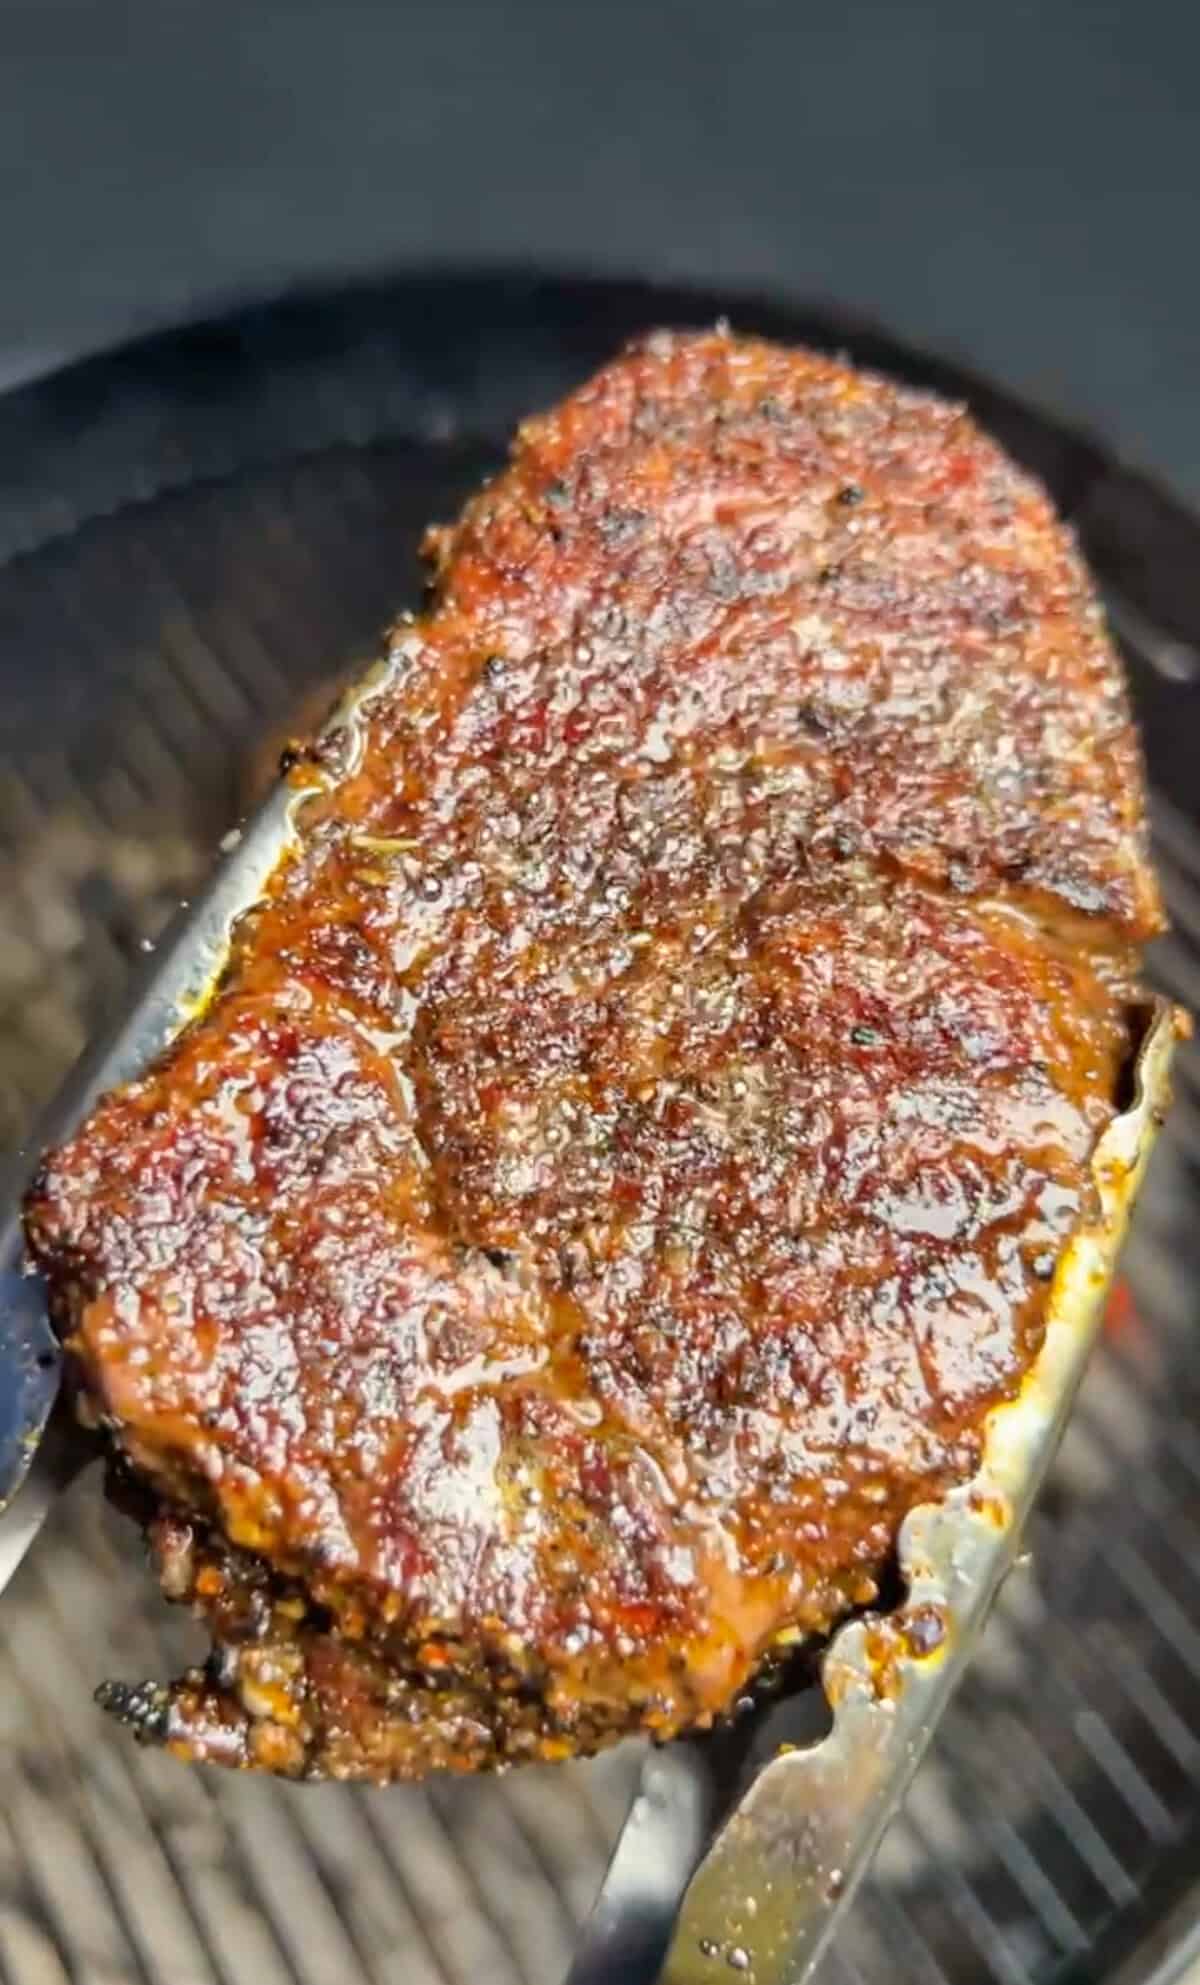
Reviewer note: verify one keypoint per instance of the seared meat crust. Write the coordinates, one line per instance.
(628, 1150)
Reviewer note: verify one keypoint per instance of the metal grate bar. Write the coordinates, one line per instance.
(448, 1902)
(510, 1878)
(317, 1941)
(1054, 1912)
(74, 1795)
(72, 1897)
(561, 1912)
(28, 1955)
(387, 1928)
(1162, 1606)
(1174, 835)
(179, 1817)
(1064, 1694)
(1172, 1528)
(1094, 1733)
(567, 1837)
(1078, 1830)
(901, 1934)
(1180, 1740)
(984, 1933)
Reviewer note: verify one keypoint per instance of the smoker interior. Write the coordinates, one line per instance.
(194, 537)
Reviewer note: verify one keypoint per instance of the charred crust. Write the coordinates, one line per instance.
(143, 1707)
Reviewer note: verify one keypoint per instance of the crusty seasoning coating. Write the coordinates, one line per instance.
(629, 1149)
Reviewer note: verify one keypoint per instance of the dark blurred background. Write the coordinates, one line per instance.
(1012, 183)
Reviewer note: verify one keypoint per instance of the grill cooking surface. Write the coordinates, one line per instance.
(143, 654)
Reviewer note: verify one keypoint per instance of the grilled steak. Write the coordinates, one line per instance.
(629, 1149)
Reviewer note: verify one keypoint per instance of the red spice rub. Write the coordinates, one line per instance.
(628, 1151)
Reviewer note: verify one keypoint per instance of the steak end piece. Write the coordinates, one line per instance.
(629, 1149)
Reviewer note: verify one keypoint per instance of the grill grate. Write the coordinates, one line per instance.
(138, 656)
